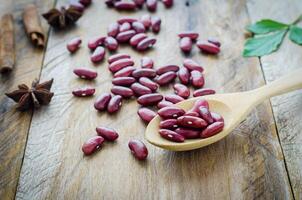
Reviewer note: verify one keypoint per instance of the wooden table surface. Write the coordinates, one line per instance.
(40, 151)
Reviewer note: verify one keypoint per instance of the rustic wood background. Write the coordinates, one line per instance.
(40, 152)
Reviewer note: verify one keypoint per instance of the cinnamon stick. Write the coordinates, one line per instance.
(33, 26)
(7, 43)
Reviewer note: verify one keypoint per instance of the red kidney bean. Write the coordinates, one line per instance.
(122, 91)
(85, 73)
(192, 113)
(197, 104)
(189, 34)
(114, 104)
(107, 133)
(184, 75)
(74, 44)
(150, 73)
(124, 27)
(146, 20)
(111, 43)
(98, 55)
(123, 81)
(165, 78)
(149, 99)
(168, 124)
(125, 5)
(163, 104)
(138, 149)
(95, 42)
(91, 145)
(140, 90)
(138, 27)
(171, 135)
(168, 3)
(167, 68)
(188, 133)
(83, 92)
(145, 44)
(205, 114)
(116, 57)
(148, 83)
(181, 90)
(192, 65)
(174, 98)
(120, 64)
(85, 2)
(212, 129)
(191, 122)
(170, 112)
(125, 36)
(214, 41)
(102, 101)
(76, 5)
(113, 29)
(203, 92)
(127, 71)
(197, 79)
(216, 117)
(147, 62)
(137, 39)
(151, 5)
(126, 19)
(208, 47)
(155, 24)
(186, 44)
(139, 3)
(146, 114)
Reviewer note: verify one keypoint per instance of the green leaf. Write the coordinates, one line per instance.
(266, 26)
(295, 34)
(263, 45)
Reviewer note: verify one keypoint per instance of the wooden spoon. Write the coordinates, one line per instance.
(234, 107)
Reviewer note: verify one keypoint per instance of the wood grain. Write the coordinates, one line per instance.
(287, 108)
(14, 125)
(248, 164)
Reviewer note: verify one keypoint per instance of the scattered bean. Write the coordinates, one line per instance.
(150, 73)
(197, 79)
(166, 78)
(151, 5)
(74, 44)
(138, 149)
(203, 92)
(139, 89)
(114, 104)
(208, 47)
(146, 114)
(111, 43)
(148, 83)
(118, 56)
(150, 99)
(155, 24)
(98, 54)
(95, 42)
(146, 20)
(167, 68)
(137, 39)
(163, 104)
(127, 71)
(125, 5)
(184, 75)
(147, 62)
(189, 34)
(91, 145)
(124, 27)
(102, 101)
(192, 65)
(107, 133)
(125, 36)
(122, 91)
(186, 44)
(181, 90)
(85, 73)
(120, 64)
(145, 44)
(83, 92)
(123, 81)
(113, 29)
(214, 41)
(174, 98)
(168, 3)
(138, 27)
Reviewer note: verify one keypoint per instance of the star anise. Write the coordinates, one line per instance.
(61, 18)
(38, 94)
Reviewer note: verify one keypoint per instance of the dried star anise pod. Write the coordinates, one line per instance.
(38, 94)
(61, 18)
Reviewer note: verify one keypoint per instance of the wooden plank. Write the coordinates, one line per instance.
(14, 125)
(287, 108)
(247, 164)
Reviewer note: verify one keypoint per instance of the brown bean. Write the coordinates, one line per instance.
(181, 90)
(126, 19)
(167, 68)
(151, 5)
(192, 65)
(107, 133)
(95, 42)
(214, 41)
(212, 129)
(150, 73)
(186, 44)
(184, 75)
(205, 114)
(168, 124)
(139, 89)
(203, 92)
(146, 20)
(148, 83)
(111, 43)
(138, 149)
(137, 39)
(118, 56)
(123, 81)
(83, 92)
(150, 99)
(125, 5)
(120, 64)
(122, 91)
(188, 133)
(197, 104)
(102, 101)
(174, 98)
(197, 79)
(163, 104)
(74, 44)
(114, 104)
(138, 27)
(155, 24)
(147, 62)
(189, 34)
(113, 29)
(217, 117)
(171, 135)
(98, 54)
(145, 44)
(191, 122)
(125, 27)
(146, 114)
(166, 78)
(91, 145)
(125, 36)
(85, 73)
(127, 71)
(170, 112)
(207, 47)
(168, 3)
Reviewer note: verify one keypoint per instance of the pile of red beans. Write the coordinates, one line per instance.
(132, 5)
